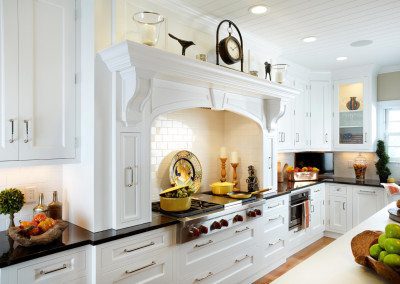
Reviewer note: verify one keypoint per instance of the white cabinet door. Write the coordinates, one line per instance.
(46, 79)
(328, 116)
(8, 80)
(353, 114)
(299, 116)
(317, 210)
(338, 214)
(132, 204)
(320, 110)
(366, 202)
(285, 128)
(269, 172)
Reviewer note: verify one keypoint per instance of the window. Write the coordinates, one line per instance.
(392, 133)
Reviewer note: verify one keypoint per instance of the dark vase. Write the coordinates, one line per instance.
(353, 104)
(383, 179)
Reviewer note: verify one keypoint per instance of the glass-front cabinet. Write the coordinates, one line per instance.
(352, 115)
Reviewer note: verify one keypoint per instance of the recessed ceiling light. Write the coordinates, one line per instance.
(341, 58)
(309, 39)
(258, 9)
(360, 43)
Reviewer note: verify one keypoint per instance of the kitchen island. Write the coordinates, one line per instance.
(335, 263)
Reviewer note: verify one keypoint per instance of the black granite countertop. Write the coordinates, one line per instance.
(289, 186)
(73, 237)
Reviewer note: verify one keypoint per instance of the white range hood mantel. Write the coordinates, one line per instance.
(138, 65)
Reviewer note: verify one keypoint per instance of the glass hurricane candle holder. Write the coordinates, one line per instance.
(280, 72)
(360, 167)
(149, 24)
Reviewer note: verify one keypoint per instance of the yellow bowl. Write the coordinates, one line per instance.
(222, 188)
(175, 204)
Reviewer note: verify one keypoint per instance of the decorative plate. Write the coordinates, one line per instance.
(185, 169)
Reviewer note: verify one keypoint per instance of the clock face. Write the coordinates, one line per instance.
(233, 48)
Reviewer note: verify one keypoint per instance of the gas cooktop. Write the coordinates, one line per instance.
(198, 207)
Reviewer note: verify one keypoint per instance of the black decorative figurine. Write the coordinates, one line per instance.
(184, 43)
(268, 68)
(252, 181)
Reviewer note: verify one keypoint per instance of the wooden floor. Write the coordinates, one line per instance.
(295, 260)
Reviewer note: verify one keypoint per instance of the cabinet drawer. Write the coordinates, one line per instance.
(275, 219)
(231, 269)
(58, 270)
(317, 191)
(199, 253)
(338, 190)
(274, 246)
(277, 203)
(155, 268)
(115, 253)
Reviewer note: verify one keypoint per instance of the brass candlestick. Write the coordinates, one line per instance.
(223, 170)
(234, 175)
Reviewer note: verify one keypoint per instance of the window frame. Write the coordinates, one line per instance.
(383, 106)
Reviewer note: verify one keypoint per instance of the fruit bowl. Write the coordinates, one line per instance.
(360, 246)
(52, 234)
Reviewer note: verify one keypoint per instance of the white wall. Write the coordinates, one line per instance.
(45, 179)
(203, 132)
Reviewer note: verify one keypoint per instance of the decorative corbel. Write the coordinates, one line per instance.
(274, 109)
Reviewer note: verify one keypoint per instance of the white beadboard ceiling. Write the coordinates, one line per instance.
(336, 23)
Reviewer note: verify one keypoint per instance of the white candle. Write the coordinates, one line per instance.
(222, 152)
(279, 76)
(149, 34)
(234, 157)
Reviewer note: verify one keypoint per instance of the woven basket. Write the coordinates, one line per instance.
(360, 245)
(47, 237)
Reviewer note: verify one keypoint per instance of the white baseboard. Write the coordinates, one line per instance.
(263, 272)
(332, 234)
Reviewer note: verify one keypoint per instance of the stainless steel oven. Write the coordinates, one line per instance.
(297, 209)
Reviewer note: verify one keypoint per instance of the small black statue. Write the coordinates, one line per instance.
(268, 68)
(252, 181)
(184, 43)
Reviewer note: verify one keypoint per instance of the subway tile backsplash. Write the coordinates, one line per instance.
(203, 132)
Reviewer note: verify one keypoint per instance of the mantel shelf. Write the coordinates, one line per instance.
(164, 65)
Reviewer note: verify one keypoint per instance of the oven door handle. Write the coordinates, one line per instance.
(300, 204)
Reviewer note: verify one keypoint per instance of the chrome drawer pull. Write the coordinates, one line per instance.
(239, 231)
(44, 272)
(273, 219)
(202, 245)
(145, 246)
(367, 191)
(270, 207)
(317, 190)
(26, 122)
(299, 230)
(239, 260)
(141, 268)
(12, 131)
(130, 169)
(277, 242)
(205, 277)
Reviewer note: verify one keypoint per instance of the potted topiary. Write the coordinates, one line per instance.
(11, 201)
(381, 165)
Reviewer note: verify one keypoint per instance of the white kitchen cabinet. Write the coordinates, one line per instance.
(72, 266)
(39, 80)
(355, 114)
(143, 258)
(319, 118)
(285, 139)
(8, 81)
(338, 214)
(366, 202)
(46, 79)
(300, 106)
(131, 199)
(317, 209)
